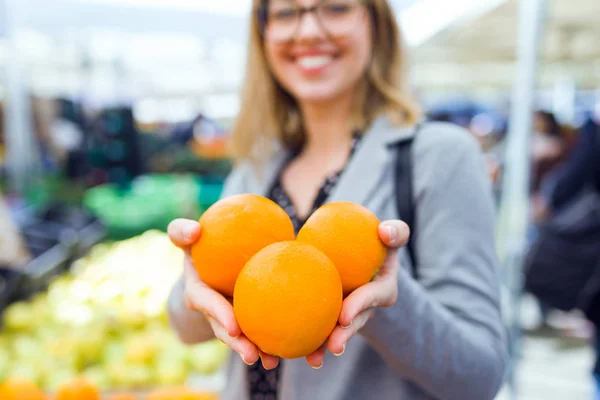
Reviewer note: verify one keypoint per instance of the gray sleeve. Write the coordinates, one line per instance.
(445, 333)
(191, 327)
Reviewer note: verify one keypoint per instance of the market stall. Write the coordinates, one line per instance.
(127, 83)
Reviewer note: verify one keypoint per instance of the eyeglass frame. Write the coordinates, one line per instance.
(262, 15)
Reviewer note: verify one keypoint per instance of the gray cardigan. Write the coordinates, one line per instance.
(444, 338)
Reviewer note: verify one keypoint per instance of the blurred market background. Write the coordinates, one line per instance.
(114, 119)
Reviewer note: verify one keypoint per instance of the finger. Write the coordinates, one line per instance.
(268, 361)
(200, 297)
(184, 232)
(394, 233)
(189, 270)
(213, 305)
(340, 336)
(389, 269)
(378, 293)
(315, 360)
(191, 275)
(241, 345)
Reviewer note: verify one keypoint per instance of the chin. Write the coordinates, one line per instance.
(315, 94)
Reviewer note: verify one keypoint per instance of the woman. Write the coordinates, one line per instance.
(322, 107)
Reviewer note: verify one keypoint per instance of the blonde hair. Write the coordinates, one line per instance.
(270, 116)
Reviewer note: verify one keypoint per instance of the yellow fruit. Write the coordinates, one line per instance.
(19, 317)
(140, 350)
(98, 377)
(4, 364)
(208, 357)
(24, 371)
(170, 373)
(57, 377)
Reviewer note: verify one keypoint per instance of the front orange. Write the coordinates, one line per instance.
(288, 298)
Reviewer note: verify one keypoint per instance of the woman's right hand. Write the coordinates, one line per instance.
(217, 309)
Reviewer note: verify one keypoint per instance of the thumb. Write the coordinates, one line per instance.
(183, 232)
(394, 233)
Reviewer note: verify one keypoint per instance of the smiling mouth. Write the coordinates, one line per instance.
(315, 62)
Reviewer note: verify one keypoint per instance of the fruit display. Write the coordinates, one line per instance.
(287, 291)
(233, 230)
(83, 389)
(106, 321)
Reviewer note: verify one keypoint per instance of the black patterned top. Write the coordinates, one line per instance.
(263, 384)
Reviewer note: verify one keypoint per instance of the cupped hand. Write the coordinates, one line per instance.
(217, 309)
(361, 304)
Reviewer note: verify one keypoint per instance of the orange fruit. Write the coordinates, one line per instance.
(123, 396)
(179, 393)
(233, 230)
(20, 389)
(77, 389)
(288, 299)
(348, 234)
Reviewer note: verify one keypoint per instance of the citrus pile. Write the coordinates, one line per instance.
(20, 389)
(80, 389)
(287, 291)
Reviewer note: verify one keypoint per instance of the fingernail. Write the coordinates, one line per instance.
(319, 367)
(393, 235)
(189, 231)
(343, 350)
(346, 327)
(244, 360)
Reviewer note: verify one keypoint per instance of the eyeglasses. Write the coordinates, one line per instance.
(280, 20)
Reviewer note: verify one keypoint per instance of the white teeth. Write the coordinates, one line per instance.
(314, 61)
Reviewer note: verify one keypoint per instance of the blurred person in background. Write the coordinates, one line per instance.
(579, 172)
(323, 105)
(548, 148)
(581, 167)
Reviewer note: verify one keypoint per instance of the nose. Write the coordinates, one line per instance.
(309, 27)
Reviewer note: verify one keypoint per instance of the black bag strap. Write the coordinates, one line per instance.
(405, 206)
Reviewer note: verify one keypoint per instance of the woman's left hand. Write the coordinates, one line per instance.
(360, 305)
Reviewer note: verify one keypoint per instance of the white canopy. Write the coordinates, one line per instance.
(481, 53)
